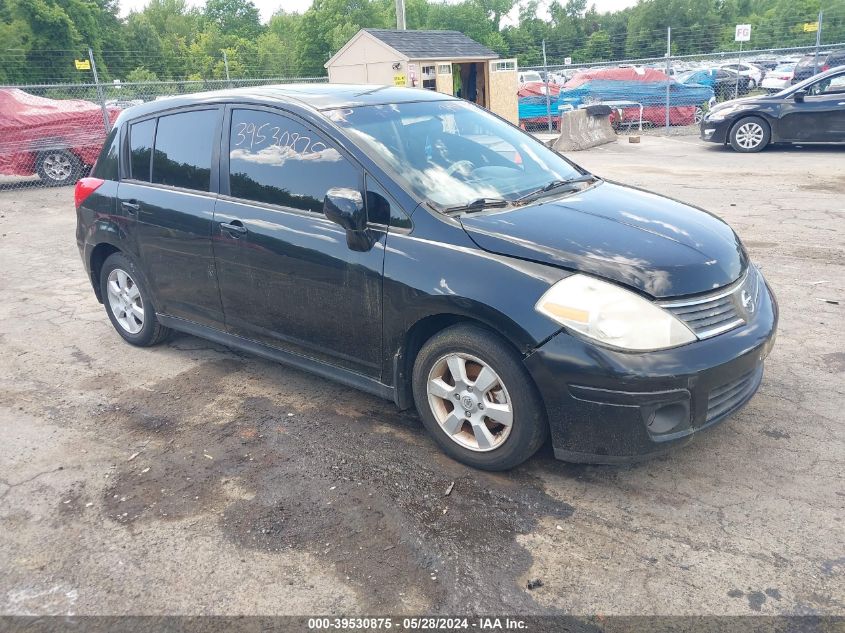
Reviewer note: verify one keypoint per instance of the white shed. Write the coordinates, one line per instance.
(446, 61)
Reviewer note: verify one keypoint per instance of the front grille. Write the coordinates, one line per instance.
(730, 396)
(720, 311)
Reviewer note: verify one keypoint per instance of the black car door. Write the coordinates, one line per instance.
(168, 193)
(819, 117)
(288, 277)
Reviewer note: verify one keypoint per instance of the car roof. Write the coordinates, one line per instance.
(316, 96)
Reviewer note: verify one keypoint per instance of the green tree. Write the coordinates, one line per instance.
(239, 18)
(598, 46)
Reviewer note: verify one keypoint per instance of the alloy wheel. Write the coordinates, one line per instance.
(57, 166)
(125, 301)
(470, 402)
(749, 135)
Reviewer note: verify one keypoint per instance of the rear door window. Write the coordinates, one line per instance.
(183, 149)
(277, 160)
(141, 149)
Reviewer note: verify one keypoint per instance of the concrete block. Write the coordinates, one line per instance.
(579, 130)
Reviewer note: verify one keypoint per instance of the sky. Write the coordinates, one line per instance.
(269, 7)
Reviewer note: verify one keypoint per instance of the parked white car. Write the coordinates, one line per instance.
(779, 78)
(527, 76)
(754, 74)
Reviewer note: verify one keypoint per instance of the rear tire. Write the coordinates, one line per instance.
(490, 416)
(128, 302)
(750, 134)
(58, 167)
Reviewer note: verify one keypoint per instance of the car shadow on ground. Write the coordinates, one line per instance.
(283, 460)
(784, 148)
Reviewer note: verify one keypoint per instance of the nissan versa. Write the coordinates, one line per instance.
(417, 247)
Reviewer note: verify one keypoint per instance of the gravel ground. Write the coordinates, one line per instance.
(190, 479)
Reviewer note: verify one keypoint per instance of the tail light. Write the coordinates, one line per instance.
(825, 67)
(84, 188)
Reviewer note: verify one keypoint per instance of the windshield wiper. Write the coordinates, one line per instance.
(478, 204)
(554, 184)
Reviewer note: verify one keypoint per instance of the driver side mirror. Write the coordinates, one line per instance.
(345, 207)
(799, 95)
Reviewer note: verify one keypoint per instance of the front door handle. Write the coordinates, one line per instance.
(131, 206)
(235, 227)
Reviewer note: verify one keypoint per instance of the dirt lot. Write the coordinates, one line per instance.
(191, 479)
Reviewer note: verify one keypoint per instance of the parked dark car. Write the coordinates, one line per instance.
(810, 65)
(364, 234)
(810, 112)
(726, 84)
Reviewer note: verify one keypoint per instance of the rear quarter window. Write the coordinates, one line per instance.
(106, 166)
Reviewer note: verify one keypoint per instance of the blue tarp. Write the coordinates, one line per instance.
(647, 93)
(702, 78)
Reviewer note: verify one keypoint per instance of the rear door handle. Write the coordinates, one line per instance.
(131, 206)
(234, 227)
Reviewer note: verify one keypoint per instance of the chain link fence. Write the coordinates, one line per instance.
(51, 134)
(665, 95)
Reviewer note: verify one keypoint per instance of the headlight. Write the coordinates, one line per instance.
(725, 112)
(612, 315)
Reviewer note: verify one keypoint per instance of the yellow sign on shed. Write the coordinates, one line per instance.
(399, 79)
(82, 64)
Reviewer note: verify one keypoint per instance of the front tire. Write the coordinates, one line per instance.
(58, 167)
(128, 303)
(477, 400)
(750, 134)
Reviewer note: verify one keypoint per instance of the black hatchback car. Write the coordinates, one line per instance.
(417, 247)
(812, 111)
(812, 64)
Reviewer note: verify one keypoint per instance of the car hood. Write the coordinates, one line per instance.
(755, 100)
(653, 244)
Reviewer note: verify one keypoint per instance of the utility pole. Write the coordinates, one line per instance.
(548, 96)
(226, 64)
(106, 122)
(400, 15)
(818, 43)
(668, 71)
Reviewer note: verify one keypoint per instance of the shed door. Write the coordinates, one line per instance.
(444, 77)
(503, 89)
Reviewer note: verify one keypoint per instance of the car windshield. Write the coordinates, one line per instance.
(801, 85)
(451, 152)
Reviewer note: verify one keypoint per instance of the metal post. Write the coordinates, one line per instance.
(668, 71)
(738, 71)
(548, 96)
(100, 95)
(400, 15)
(818, 43)
(226, 64)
